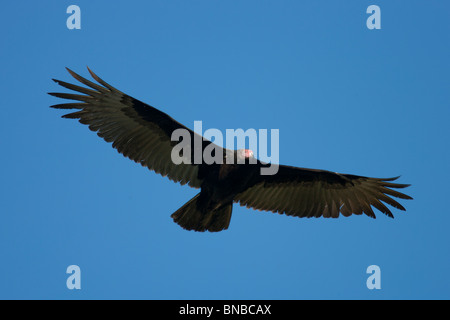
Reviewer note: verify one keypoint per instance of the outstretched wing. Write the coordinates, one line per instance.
(314, 193)
(137, 130)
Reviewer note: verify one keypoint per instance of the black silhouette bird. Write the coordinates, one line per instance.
(143, 134)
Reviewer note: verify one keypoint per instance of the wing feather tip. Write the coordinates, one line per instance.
(93, 75)
(72, 73)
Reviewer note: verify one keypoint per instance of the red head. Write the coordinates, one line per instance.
(248, 153)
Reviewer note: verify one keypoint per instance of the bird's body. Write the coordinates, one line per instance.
(144, 134)
(221, 183)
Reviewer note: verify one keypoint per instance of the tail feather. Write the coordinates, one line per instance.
(192, 217)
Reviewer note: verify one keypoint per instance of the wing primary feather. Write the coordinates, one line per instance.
(78, 88)
(71, 96)
(102, 82)
(74, 105)
(87, 82)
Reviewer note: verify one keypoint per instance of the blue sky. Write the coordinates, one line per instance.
(345, 98)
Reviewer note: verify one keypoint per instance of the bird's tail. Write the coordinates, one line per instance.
(192, 216)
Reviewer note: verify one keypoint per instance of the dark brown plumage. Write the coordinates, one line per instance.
(143, 134)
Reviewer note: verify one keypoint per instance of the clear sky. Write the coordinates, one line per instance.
(344, 98)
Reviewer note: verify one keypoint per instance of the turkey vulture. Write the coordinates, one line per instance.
(143, 134)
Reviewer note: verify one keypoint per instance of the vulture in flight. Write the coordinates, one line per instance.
(143, 134)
